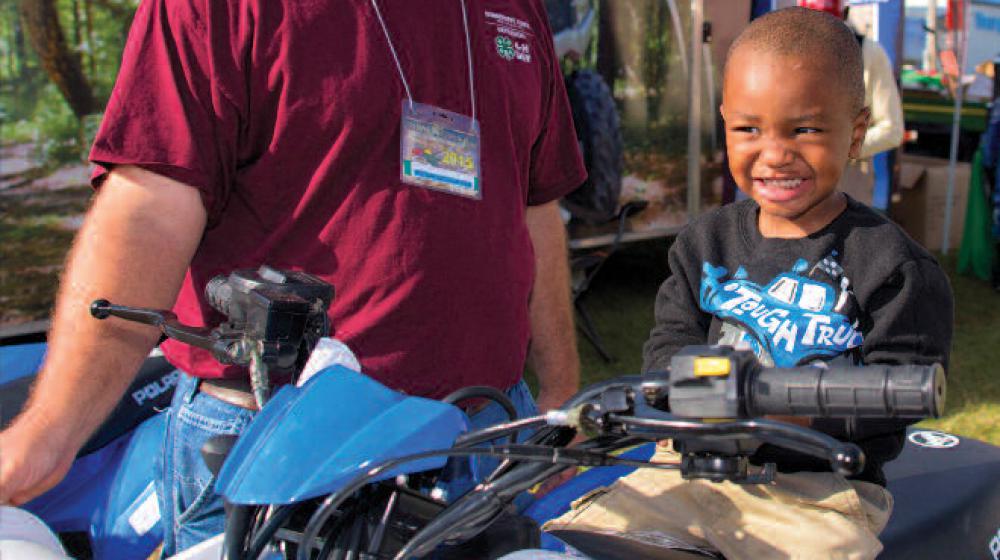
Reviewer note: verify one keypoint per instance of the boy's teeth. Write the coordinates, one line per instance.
(783, 183)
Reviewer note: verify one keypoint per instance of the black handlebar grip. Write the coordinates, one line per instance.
(875, 391)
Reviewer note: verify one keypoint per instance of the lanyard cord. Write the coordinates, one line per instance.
(399, 67)
(468, 55)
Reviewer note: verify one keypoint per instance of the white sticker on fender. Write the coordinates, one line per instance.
(934, 440)
(147, 515)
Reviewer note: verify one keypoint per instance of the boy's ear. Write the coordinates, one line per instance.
(858, 130)
(722, 111)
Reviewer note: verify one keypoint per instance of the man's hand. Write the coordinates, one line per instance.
(33, 459)
(552, 399)
(548, 401)
(552, 355)
(135, 245)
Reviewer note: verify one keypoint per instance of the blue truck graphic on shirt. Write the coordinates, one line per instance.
(792, 320)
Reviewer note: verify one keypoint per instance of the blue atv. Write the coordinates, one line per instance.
(338, 466)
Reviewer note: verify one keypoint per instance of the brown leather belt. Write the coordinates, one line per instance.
(475, 407)
(236, 392)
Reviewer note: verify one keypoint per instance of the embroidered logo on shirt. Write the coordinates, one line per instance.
(792, 320)
(505, 47)
(513, 36)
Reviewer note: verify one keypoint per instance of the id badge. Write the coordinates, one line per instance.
(439, 150)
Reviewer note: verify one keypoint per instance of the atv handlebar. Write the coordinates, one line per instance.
(674, 404)
(714, 400)
(875, 391)
(721, 382)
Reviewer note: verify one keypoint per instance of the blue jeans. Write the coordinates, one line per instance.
(190, 510)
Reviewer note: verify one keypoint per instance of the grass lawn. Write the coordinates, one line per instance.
(621, 304)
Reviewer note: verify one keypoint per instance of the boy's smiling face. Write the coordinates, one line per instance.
(789, 133)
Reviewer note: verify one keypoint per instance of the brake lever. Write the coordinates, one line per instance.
(844, 458)
(226, 348)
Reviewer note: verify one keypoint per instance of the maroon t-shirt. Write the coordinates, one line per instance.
(285, 114)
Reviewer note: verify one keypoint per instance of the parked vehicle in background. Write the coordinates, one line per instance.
(594, 112)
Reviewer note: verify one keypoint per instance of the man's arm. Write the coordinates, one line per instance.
(134, 248)
(552, 355)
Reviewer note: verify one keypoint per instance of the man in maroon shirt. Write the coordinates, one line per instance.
(244, 133)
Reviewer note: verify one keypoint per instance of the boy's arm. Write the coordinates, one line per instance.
(911, 317)
(679, 319)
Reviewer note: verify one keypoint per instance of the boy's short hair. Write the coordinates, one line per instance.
(822, 39)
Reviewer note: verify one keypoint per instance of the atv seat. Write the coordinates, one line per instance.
(947, 498)
(149, 393)
(611, 547)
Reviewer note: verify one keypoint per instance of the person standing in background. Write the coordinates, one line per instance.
(885, 128)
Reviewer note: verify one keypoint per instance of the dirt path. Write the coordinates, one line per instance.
(40, 211)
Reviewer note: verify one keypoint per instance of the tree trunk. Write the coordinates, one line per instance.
(77, 39)
(9, 38)
(19, 49)
(607, 47)
(61, 65)
(91, 46)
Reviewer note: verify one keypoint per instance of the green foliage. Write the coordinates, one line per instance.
(31, 109)
(59, 129)
(58, 136)
(17, 132)
(91, 125)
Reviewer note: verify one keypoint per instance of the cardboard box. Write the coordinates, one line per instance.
(919, 204)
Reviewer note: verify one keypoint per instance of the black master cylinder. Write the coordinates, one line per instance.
(706, 382)
(279, 309)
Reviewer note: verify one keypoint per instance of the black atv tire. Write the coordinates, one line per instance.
(597, 129)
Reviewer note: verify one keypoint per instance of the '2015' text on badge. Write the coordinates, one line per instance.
(439, 149)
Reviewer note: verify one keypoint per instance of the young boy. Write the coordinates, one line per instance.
(822, 278)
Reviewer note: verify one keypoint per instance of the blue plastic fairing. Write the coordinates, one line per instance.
(130, 526)
(110, 494)
(19, 360)
(311, 440)
(75, 501)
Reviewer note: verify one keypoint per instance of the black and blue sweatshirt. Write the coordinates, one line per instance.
(858, 290)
